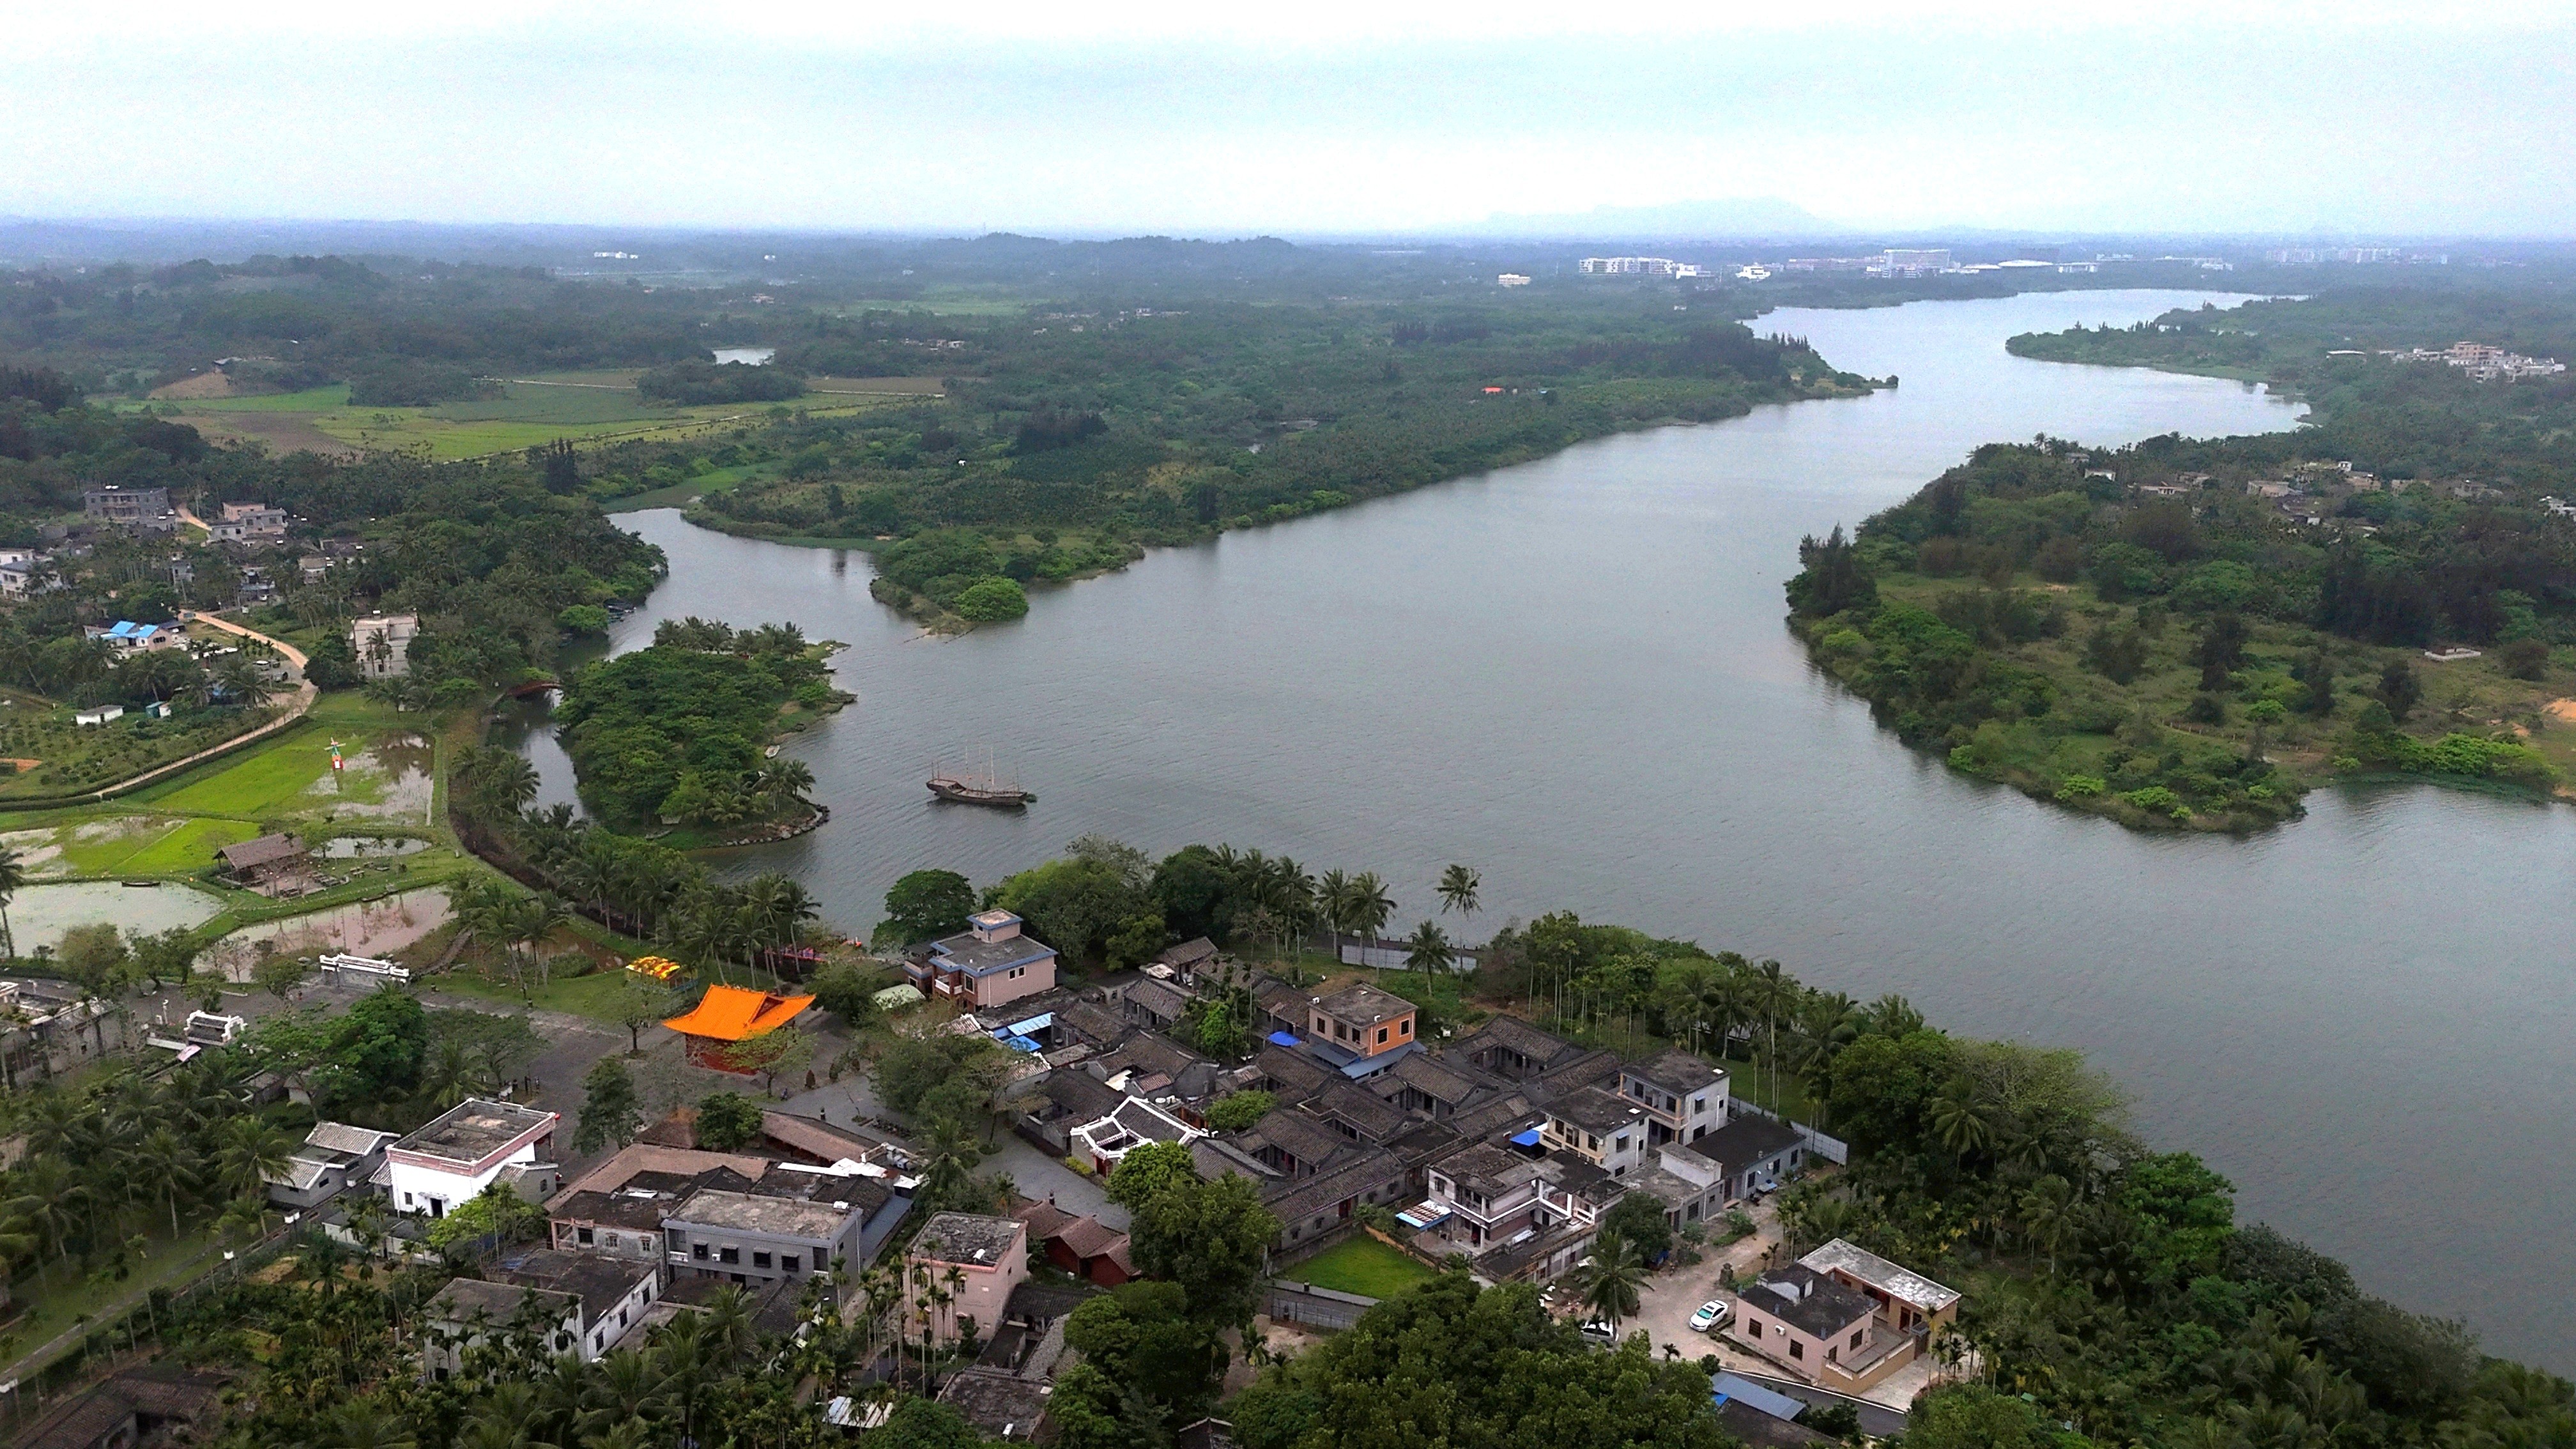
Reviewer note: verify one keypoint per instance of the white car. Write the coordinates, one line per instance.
(1710, 1315)
(1600, 1331)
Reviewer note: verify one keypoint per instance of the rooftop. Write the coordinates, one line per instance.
(1595, 1110)
(1510, 1031)
(973, 1239)
(972, 953)
(1903, 1284)
(751, 1212)
(1745, 1141)
(1363, 1003)
(600, 1283)
(736, 1013)
(1164, 1001)
(464, 1299)
(1322, 1193)
(474, 1129)
(1487, 1169)
(999, 1405)
(1677, 1072)
(265, 850)
(341, 1137)
(1807, 1301)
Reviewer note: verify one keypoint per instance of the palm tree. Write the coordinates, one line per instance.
(1773, 994)
(450, 1075)
(1370, 905)
(13, 876)
(1333, 903)
(1428, 949)
(1458, 890)
(531, 920)
(51, 1204)
(1960, 1120)
(1611, 1286)
(2048, 1216)
(361, 1423)
(167, 1162)
(247, 1150)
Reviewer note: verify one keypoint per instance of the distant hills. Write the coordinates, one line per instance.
(1744, 216)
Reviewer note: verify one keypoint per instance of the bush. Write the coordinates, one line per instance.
(2079, 787)
(2525, 658)
(687, 383)
(992, 599)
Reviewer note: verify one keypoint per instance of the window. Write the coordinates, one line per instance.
(700, 1252)
(612, 1240)
(1404, 1027)
(1856, 1333)
(760, 1260)
(1383, 1033)
(1698, 1105)
(1797, 1349)
(729, 1255)
(584, 1234)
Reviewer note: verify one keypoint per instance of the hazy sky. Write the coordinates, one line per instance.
(1308, 118)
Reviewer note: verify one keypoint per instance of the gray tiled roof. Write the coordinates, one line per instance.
(1807, 1300)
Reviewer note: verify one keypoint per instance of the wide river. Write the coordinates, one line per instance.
(1573, 675)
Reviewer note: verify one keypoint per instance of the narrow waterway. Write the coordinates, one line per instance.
(1573, 675)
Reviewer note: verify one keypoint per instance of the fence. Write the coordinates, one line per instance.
(1831, 1149)
(1291, 1302)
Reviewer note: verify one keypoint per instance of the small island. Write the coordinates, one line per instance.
(2149, 635)
(680, 734)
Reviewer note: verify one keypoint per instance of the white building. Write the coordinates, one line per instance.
(468, 1148)
(1511, 279)
(382, 643)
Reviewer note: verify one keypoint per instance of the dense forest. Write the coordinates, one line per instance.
(2191, 632)
(676, 732)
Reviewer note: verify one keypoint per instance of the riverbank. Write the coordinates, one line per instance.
(1529, 425)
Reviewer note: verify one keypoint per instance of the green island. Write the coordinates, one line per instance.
(2192, 633)
(679, 732)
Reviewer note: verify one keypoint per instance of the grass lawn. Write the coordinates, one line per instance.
(1361, 1265)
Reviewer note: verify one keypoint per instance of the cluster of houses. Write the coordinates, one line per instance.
(1506, 1143)
(654, 1231)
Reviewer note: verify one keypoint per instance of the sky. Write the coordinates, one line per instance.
(1322, 118)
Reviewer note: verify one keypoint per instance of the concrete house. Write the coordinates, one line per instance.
(1359, 1029)
(466, 1149)
(1818, 1327)
(756, 1238)
(1907, 1301)
(1684, 1097)
(334, 1155)
(581, 1305)
(382, 643)
(1106, 1141)
(1606, 1130)
(988, 964)
(1752, 1154)
(991, 1257)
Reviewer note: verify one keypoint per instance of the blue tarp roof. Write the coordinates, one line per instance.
(1358, 1067)
(1039, 1022)
(1281, 1038)
(1753, 1396)
(1019, 1043)
(1526, 1139)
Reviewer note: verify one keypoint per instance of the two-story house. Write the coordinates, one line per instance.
(1817, 1329)
(758, 1237)
(990, 963)
(1360, 1029)
(1685, 1098)
(1606, 1130)
(576, 1304)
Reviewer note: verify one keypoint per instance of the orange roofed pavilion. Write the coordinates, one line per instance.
(728, 1015)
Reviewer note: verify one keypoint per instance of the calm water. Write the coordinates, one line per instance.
(1573, 675)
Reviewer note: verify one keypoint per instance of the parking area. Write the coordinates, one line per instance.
(1666, 1303)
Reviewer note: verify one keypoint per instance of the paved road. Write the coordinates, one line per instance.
(305, 694)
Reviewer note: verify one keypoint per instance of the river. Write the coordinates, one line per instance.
(1573, 675)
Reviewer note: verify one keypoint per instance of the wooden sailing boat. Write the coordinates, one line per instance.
(986, 787)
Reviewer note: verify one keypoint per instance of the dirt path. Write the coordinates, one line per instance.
(305, 694)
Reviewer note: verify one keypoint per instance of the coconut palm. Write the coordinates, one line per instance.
(247, 1150)
(1458, 891)
(1612, 1282)
(1773, 994)
(13, 876)
(168, 1167)
(1333, 904)
(1428, 949)
(2048, 1215)
(1370, 906)
(1960, 1120)
(51, 1204)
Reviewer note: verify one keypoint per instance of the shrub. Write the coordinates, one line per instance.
(2156, 799)
(2525, 658)
(2079, 787)
(992, 599)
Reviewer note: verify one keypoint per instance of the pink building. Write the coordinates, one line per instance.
(989, 1257)
(989, 964)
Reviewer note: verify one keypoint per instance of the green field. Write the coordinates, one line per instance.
(1361, 1265)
